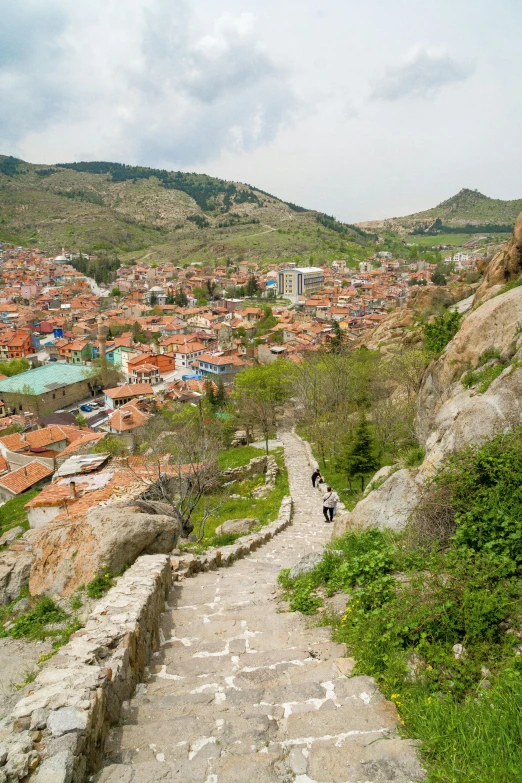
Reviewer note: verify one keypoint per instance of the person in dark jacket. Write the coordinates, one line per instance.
(316, 477)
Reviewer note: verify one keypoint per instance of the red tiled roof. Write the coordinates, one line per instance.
(129, 390)
(24, 478)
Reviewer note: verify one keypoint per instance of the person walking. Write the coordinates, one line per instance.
(330, 500)
(316, 477)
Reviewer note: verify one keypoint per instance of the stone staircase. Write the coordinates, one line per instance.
(244, 692)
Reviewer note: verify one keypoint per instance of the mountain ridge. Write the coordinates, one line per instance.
(114, 207)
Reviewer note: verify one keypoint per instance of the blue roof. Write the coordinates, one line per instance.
(45, 379)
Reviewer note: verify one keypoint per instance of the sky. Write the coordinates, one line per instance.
(361, 109)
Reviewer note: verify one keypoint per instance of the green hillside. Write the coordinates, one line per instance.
(470, 206)
(142, 212)
(468, 212)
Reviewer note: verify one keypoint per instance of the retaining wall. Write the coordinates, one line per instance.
(56, 732)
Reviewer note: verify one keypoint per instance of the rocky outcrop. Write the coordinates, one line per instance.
(68, 554)
(56, 732)
(397, 327)
(270, 479)
(255, 467)
(492, 325)
(468, 417)
(15, 568)
(505, 266)
(389, 505)
(239, 526)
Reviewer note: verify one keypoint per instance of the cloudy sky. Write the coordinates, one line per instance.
(360, 109)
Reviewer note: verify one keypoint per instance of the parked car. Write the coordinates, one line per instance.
(53, 359)
(86, 408)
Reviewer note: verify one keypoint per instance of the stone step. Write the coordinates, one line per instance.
(243, 691)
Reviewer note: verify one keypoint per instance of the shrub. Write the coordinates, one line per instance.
(442, 329)
(414, 456)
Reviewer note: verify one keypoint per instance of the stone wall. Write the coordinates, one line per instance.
(56, 732)
(189, 565)
(255, 467)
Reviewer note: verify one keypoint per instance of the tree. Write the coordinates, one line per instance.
(209, 392)
(112, 445)
(14, 366)
(357, 457)
(153, 300)
(180, 467)
(260, 392)
(338, 337)
(115, 291)
(251, 287)
(221, 395)
(181, 298)
(438, 278)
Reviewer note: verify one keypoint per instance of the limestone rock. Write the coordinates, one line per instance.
(68, 554)
(10, 535)
(389, 505)
(15, 568)
(467, 417)
(305, 564)
(65, 720)
(237, 526)
(506, 265)
(492, 325)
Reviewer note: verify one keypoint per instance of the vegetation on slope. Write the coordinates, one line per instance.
(175, 216)
(434, 614)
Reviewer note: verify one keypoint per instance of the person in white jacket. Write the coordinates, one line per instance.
(330, 500)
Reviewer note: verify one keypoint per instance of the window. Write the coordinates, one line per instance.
(54, 396)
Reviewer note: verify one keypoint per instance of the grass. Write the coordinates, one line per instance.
(13, 512)
(264, 509)
(237, 458)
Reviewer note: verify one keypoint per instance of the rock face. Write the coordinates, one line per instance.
(388, 506)
(66, 555)
(467, 417)
(15, 568)
(492, 325)
(11, 535)
(506, 265)
(237, 526)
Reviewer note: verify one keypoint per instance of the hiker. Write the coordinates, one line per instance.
(330, 500)
(316, 477)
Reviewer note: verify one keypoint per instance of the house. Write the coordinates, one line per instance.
(19, 481)
(78, 352)
(186, 354)
(120, 395)
(126, 420)
(218, 365)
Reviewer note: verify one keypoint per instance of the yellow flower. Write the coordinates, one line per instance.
(429, 668)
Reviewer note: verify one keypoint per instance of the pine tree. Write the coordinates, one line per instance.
(221, 395)
(357, 458)
(209, 392)
(337, 337)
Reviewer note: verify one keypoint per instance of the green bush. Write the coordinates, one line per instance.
(411, 605)
(441, 330)
(414, 456)
(32, 624)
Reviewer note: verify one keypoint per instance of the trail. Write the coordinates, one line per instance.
(243, 692)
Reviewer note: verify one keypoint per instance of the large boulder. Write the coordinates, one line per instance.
(237, 526)
(493, 325)
(306, 564)
(388, 506)
(70, 553)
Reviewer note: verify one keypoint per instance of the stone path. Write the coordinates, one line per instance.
(242, 692)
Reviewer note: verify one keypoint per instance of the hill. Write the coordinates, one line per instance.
(466, 212)
(137, 211)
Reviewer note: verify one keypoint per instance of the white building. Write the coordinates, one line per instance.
(300, 283)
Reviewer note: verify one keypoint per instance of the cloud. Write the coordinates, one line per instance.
(423, 74)
(32, 82)
(157, 83)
